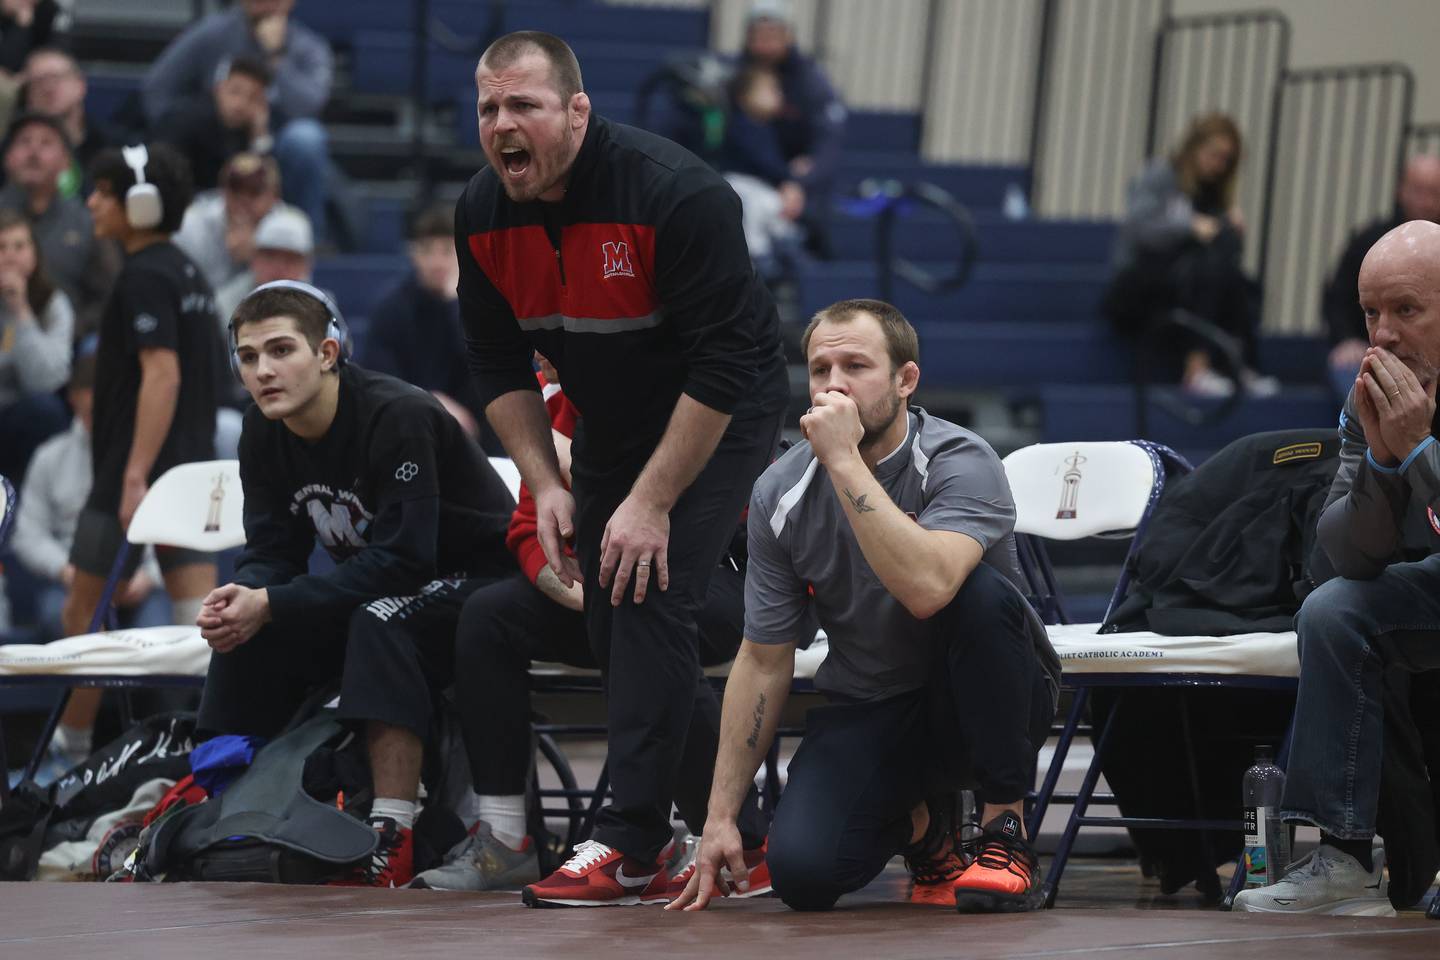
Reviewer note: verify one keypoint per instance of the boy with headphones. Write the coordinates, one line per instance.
(155, 379)
(404, 502)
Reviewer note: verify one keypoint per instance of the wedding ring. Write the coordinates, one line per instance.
(642, 563)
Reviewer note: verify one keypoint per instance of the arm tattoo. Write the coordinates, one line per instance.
(859, 502)
(754, 737)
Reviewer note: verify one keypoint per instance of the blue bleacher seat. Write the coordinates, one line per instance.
(922, 233)
(578, 22)
(1101, 412)
(882, 130)
(996, 291)
(997, 353)
(359, 280)
(978, 187)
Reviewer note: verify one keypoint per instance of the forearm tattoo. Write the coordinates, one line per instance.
(858, 502)
(754, 737)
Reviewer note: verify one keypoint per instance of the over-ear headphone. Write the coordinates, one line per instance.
(142, 201)
(335, 328)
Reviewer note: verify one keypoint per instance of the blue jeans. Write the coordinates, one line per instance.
(1350, 631)
(303, 152)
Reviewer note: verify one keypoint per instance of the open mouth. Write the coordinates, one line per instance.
(516, 161)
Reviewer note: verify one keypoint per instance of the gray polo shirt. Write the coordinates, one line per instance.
(806, 564)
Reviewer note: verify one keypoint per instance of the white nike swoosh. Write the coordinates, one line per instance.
(629, 882)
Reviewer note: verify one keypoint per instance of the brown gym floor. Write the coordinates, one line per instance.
(1106, 910)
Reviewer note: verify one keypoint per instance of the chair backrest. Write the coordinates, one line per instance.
(197, 506)
(509, 473)
(1067, 491)
(7, 510)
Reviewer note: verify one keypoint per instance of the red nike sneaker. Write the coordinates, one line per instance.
(597, 876)
(393, 862)
(758, 881)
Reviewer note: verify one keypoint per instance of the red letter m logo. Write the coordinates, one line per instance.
(617, 259)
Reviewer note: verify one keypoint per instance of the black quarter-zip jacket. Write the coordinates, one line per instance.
(637, 286)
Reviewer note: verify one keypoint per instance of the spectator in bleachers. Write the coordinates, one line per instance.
(414, 333)
(155, 394)
(37, 326)
(218, 231)
(55, 84)
(37, 155)
(810, 123)
(302, 67)
(56, 488)
(235, 118)
(284, 250)
(24, 26)
(754, 164)
(1180, 246)
(1381, 614)
(1416, 198)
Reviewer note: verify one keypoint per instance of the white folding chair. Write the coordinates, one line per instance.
(1069, 491)
(195, 506)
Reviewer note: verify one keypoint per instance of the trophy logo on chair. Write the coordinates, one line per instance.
(217, 497)
(1070, 487)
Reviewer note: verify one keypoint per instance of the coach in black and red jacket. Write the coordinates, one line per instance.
(619, 256)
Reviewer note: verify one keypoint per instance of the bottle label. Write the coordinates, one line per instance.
(1256, 865)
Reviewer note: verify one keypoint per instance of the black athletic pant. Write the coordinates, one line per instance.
(506, 625)
(392, 656)
(649, 652)
(862, 767)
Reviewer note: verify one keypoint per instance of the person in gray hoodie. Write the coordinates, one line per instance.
(1179, 248)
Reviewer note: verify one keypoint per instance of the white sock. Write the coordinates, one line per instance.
(506, 816)
(401, 811)
(73, 742)
(185, 610)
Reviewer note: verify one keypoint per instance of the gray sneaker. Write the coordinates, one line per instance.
(1326, 881)
(480, 862)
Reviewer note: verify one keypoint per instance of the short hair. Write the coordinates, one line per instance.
(564, 68)
(248, 172)
(900, 340)
(431, 222)
(166, 167)
(82, 372)
(310, 315)
(249, 67)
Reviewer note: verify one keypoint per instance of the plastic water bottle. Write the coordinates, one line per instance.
(1015, 206)
(1267, 839)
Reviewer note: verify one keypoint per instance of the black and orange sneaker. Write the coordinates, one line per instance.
(393, 862)
(1004, 877)
(757, 882)
(598, 876)
(937, 858)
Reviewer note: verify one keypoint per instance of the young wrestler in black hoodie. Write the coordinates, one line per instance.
(406, 505)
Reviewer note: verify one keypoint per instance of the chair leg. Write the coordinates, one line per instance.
(553, 755)
(46, 732)
(1057, 762)
(597, 800)
(1082, 803)
(1207, 881)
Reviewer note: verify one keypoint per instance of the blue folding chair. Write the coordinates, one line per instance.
(1069, 491)
(195, 506)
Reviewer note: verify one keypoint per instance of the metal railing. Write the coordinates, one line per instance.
(1230, 62)
(1339, 149)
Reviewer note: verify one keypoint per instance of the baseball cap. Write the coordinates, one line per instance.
(781, 10)
(285, 228)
